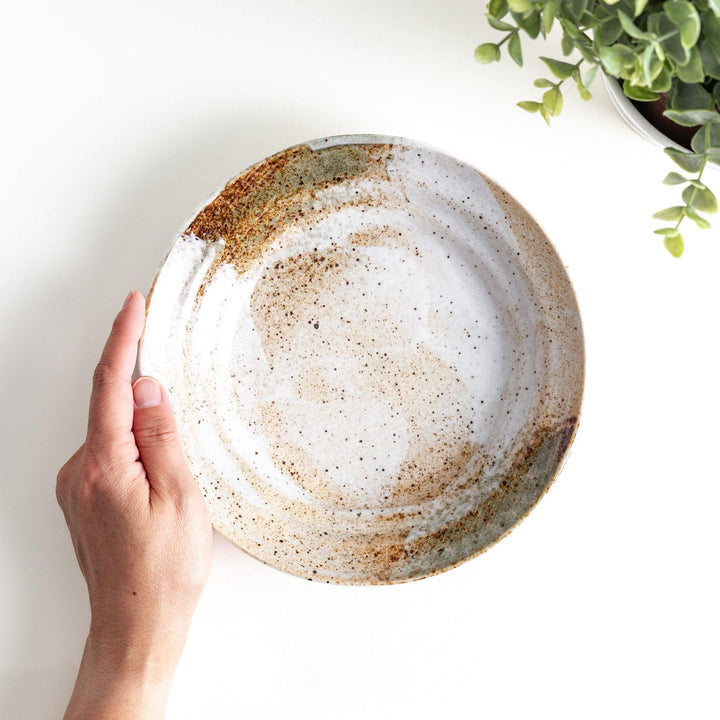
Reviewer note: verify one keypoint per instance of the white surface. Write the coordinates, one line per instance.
(117, 120)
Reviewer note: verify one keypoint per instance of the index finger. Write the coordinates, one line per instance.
(111, 402)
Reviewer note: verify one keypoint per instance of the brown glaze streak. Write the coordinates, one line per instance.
(518, 491)
(278, 193)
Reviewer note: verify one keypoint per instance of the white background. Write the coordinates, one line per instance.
(116, 120)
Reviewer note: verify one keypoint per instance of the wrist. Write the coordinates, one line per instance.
(146, 652)
(122, 681)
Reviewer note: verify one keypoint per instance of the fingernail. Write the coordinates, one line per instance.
(128, 299)
(147, 392)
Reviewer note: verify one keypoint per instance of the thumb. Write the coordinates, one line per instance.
(157, 439)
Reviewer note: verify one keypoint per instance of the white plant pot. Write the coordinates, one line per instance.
(633, 118)
(637, 122)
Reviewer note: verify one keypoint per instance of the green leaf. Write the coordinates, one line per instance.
(590, 75)
(692, 71)
(651, 65)
(674, 178)
(699, 220)
(530, 106)
(577, 7)
(529, 22)
(674, 245)
(666, 231)
(660, 24)
(587, 52)
(687, 161)
(640, 6)
(616, 58)
(654, 21)
(553, 101)
(670, 214)
(497, 8)
(561, 70)
(500, 24)
(684, 15)
(487, 53)
(702, 200)
(519, 6)
(608, 32)
(710, 61)
(631, 28)
(585, 94)
(515, 49)
(714, 6)
(689, 96)
(543, 83)
(548, 14)
(706, 140)
(634, 92)
(659, 51)
(676, 51)
(567, 44)
(570, 28)
(652, 62)
(690, 118)
(545, 114)
(711, 31)
(663, 82)
(690, 31)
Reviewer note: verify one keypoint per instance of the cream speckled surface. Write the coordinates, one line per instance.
(375, 359)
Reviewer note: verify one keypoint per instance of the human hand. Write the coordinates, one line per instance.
(141, 533)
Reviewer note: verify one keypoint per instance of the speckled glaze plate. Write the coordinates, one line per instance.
(375, 359)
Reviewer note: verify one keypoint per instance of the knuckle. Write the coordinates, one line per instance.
(102, 374)
(62, 477)
(89, 492)
(90, 466)
(156, 434)
(66, 476)
(95, 478)
(189, 502)
(198, 578)
(61, 483)
(100, 441)
(89, 481)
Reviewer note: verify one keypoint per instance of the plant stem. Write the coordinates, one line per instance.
(667, 36)
(506, 38)
(576, 66)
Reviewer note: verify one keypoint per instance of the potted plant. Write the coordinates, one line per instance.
(665, 55)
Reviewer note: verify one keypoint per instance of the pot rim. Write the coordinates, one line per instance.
(637, 122)
(634, 118)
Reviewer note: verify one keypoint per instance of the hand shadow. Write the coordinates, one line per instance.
(53, 348)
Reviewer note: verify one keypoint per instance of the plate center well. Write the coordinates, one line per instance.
(374, 370)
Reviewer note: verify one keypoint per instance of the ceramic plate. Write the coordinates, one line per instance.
(375, 359)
